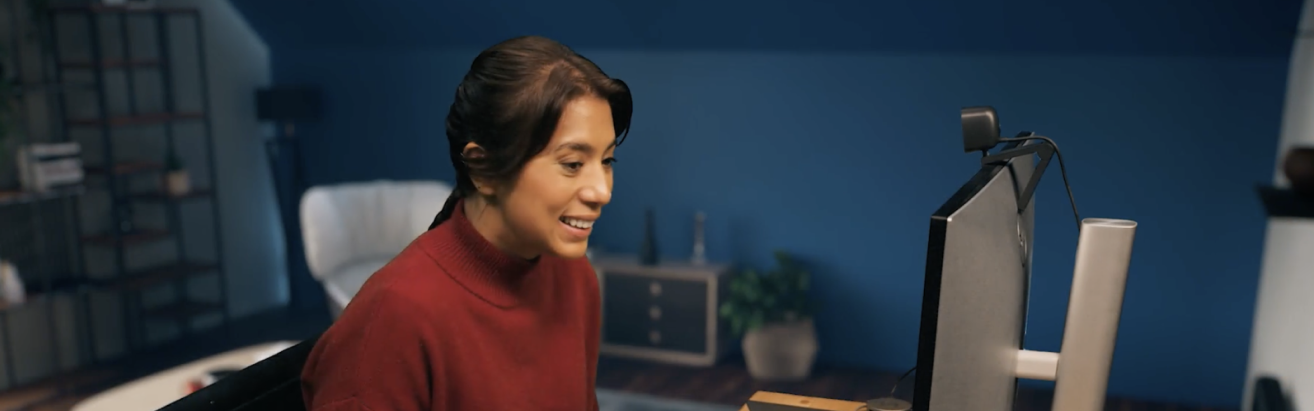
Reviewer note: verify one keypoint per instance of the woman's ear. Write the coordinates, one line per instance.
(485, 187)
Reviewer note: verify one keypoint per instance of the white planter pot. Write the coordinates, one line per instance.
(177, 183)
(781, 352)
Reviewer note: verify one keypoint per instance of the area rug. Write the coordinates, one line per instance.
(610, 400)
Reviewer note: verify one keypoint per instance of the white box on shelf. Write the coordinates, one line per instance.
(44, 166)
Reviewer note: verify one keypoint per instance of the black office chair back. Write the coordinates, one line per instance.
(1268, 396)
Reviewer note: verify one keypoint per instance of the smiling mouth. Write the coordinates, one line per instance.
(577, 223)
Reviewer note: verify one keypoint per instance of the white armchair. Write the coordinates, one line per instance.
(352, 230)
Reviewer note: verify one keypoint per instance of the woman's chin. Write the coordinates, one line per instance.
(571, 250)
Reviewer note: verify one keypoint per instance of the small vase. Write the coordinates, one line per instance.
(699, 256)
(177, 183)
(648, 249)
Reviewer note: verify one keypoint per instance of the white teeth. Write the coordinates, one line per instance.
(580, 224)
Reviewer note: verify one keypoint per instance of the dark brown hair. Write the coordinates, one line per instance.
(509, 104)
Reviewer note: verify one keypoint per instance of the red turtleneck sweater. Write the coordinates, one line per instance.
(454, 323)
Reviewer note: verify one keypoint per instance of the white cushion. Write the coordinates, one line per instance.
(350, 230)
(344, 283)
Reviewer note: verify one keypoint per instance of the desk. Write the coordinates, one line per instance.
(824, 404)
(164, 387)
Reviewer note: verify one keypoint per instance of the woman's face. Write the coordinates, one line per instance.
(559, 194)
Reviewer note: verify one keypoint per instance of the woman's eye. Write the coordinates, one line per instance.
(575, 166)
(609, 161)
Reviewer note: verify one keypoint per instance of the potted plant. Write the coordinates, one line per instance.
(773, 315)
(176, 180)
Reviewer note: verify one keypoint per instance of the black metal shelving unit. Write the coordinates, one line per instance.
(116, 167)
(36, 228)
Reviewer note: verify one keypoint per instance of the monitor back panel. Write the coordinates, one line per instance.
(975, 294)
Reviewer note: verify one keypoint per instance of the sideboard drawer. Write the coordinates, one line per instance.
(660, 313)
(666, 312)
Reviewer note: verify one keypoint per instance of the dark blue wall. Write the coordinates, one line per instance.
(1120, 26)
(840, 155)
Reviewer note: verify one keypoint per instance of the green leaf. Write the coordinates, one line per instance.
(756, 320)
(727, 309)
(756, 298)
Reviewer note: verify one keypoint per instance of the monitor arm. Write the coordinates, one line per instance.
(1080, 370)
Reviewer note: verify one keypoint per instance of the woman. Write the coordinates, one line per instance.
(495, 306)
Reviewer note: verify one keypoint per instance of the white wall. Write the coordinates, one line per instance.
(254, 256)
(1282, 343)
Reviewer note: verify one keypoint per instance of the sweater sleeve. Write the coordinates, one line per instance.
(371, 358)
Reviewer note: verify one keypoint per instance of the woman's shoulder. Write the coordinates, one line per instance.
(388, 292)
(405, 308)
(410, 280)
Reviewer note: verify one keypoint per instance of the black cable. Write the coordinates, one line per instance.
(892, 389)
(901, 378)
(1062, 170)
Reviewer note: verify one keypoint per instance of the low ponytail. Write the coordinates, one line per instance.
(448, 208)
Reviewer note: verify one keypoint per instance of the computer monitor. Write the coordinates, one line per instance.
(978, 271)
(974, 303)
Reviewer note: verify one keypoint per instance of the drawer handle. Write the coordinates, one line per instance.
(655, 312)
(655, 337)
(655, 288)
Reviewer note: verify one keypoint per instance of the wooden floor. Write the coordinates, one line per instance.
(727, 383)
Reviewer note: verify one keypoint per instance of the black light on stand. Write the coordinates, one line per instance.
(286, 106)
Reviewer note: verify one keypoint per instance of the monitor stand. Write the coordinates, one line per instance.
(1094, 307)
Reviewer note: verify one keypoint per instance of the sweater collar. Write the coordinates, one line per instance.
(476, 263)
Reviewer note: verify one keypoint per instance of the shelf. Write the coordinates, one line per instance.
(36, 291)
(109, 64)
(135, 281)
(20, 89)
(181, 310)
(137, 119)
(1281, 202)
(8, 198)
(67, 284)
(157, 275)
(162, 197)
(128, 167)
(139, 237)
(103, 9)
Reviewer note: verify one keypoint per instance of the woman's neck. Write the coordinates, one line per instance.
(490, 222)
